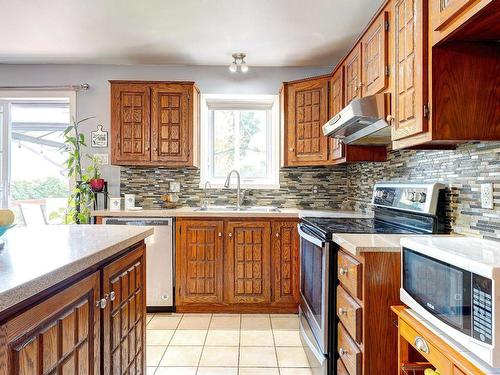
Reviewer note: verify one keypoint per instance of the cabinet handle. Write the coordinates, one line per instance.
(277, 234)
(343, 271)
(291, 149)
(230, 234)
(342, 352)
(146, 148)
(220, 234)
(389, 119)
(112, 296)
(342, 311)
(421, 345)
(101, 303)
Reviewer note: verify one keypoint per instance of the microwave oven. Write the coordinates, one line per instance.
(452, 283)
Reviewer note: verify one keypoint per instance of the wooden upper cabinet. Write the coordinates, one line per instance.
(285, 262)
(154, 123)
(305, 111)
(57, 336)
(444, 11)
(375, 56)
(199, 263)
(353, 75)
(410, 101)
(337, 148)
(130, 123)
(124, 317)
(248, 261)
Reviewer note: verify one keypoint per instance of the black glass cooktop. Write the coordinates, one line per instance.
(327, 226)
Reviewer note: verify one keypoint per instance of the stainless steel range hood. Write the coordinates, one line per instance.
(362, 122)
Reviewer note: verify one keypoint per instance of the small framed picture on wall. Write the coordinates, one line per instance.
(99, 138)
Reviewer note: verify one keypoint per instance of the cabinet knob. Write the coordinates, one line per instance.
(277, 234)
(146, 148)
(342, 351)
(342, 311)
(421, 345)
(220, 234)
(230, 234)
(155, 149)
(101, 303)
(112, 296)
(343, 271)
(291, 149)
(390, 119)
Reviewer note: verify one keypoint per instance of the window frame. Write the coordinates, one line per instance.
(212, 102)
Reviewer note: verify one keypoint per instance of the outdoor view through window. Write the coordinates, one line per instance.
(38, 183)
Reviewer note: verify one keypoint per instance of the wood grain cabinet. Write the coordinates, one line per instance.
(154, 123)
(61, 334)
(369, 284)
(353, 84)
(236, 265)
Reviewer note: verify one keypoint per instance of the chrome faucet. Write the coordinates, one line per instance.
(205, 202)
(238, 186)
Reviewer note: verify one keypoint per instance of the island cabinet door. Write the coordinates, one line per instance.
(124, 314)
(60, 335)
(285, 262)
(199, 265)
(248, 262)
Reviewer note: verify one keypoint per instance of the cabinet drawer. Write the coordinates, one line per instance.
(349, 313)
(341, 370)
(349, 274)
(425, 348)
(348, 351)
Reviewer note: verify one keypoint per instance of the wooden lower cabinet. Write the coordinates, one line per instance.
(62, 333)
(236, 265)
(369, 285)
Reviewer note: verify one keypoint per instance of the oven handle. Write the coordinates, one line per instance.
(316, 241)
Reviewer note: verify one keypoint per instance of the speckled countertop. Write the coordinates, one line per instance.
(194, 212)
(37, 258)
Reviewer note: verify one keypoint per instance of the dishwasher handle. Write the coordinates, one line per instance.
(138, 221)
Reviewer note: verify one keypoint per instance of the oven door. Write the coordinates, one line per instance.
(314, 288)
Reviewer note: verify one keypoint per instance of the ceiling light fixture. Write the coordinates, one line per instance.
(238, 60)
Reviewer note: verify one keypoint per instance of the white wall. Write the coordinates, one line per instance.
(95, 101)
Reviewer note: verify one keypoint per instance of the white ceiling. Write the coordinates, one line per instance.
(188, 32)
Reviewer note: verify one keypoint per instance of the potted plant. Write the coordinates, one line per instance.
(95, 168)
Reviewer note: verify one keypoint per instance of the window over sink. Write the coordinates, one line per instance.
(240, 132)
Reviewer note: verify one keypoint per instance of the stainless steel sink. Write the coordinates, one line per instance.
(242, 208)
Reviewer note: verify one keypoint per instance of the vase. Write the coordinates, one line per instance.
(97, 184)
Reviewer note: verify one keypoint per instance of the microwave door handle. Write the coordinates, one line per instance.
(314, 240)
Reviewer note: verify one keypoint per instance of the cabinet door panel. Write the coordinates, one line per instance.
(130, 123)
(170, 130)
(124, 319)
(285, 262)
(307, 109)
(248, 262)
(337, 148)
(375, 56)
(353, 79)
(410, 78)
(199, 264)
(60, 335)
(445, 11)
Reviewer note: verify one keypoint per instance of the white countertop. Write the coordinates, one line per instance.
(469, 253)
(194, 212)
(37, 258)
(362, 243)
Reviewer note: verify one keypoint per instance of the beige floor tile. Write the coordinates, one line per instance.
(257, 338)
(150, 370)
(295, 371)
(189, 337)
(219, 356)
(286, 338)
(256, 315)
(164, 322)
(223, 338)
(259, 371)
(217, 371)
(225, 314)
(176, 371)
(288, 323)
(149, 317)
(258, 357)
(255, 323)
(187, 356)
(225, 322)
(284, 315)
(292, 357)
(154, 354)
(159, 336)
(194, 322)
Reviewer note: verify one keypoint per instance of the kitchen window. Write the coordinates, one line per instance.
(240, 132)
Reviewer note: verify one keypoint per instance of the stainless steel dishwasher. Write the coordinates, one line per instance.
(159, 260)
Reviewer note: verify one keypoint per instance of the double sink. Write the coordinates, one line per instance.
(241, 208)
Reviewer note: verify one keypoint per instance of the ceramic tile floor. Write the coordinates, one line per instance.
(224, 344)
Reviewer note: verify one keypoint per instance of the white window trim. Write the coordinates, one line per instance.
(13, 96)
(239, 101)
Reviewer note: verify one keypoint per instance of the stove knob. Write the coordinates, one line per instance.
(421, 197)
(410, 195)
(385, 194)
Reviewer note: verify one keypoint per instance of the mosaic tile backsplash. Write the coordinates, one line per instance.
(350, 187)
(320, 188)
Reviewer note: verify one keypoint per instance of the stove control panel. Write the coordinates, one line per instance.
(409, 197)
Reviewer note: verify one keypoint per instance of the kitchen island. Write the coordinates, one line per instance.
(70, 293)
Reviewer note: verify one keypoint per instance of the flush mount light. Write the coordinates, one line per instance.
(238, 60)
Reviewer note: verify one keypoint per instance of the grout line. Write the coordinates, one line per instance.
(204, 343)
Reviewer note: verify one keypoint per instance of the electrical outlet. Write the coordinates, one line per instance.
(487, 196)
(175, 187)
(315, 189)
(103, 157)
